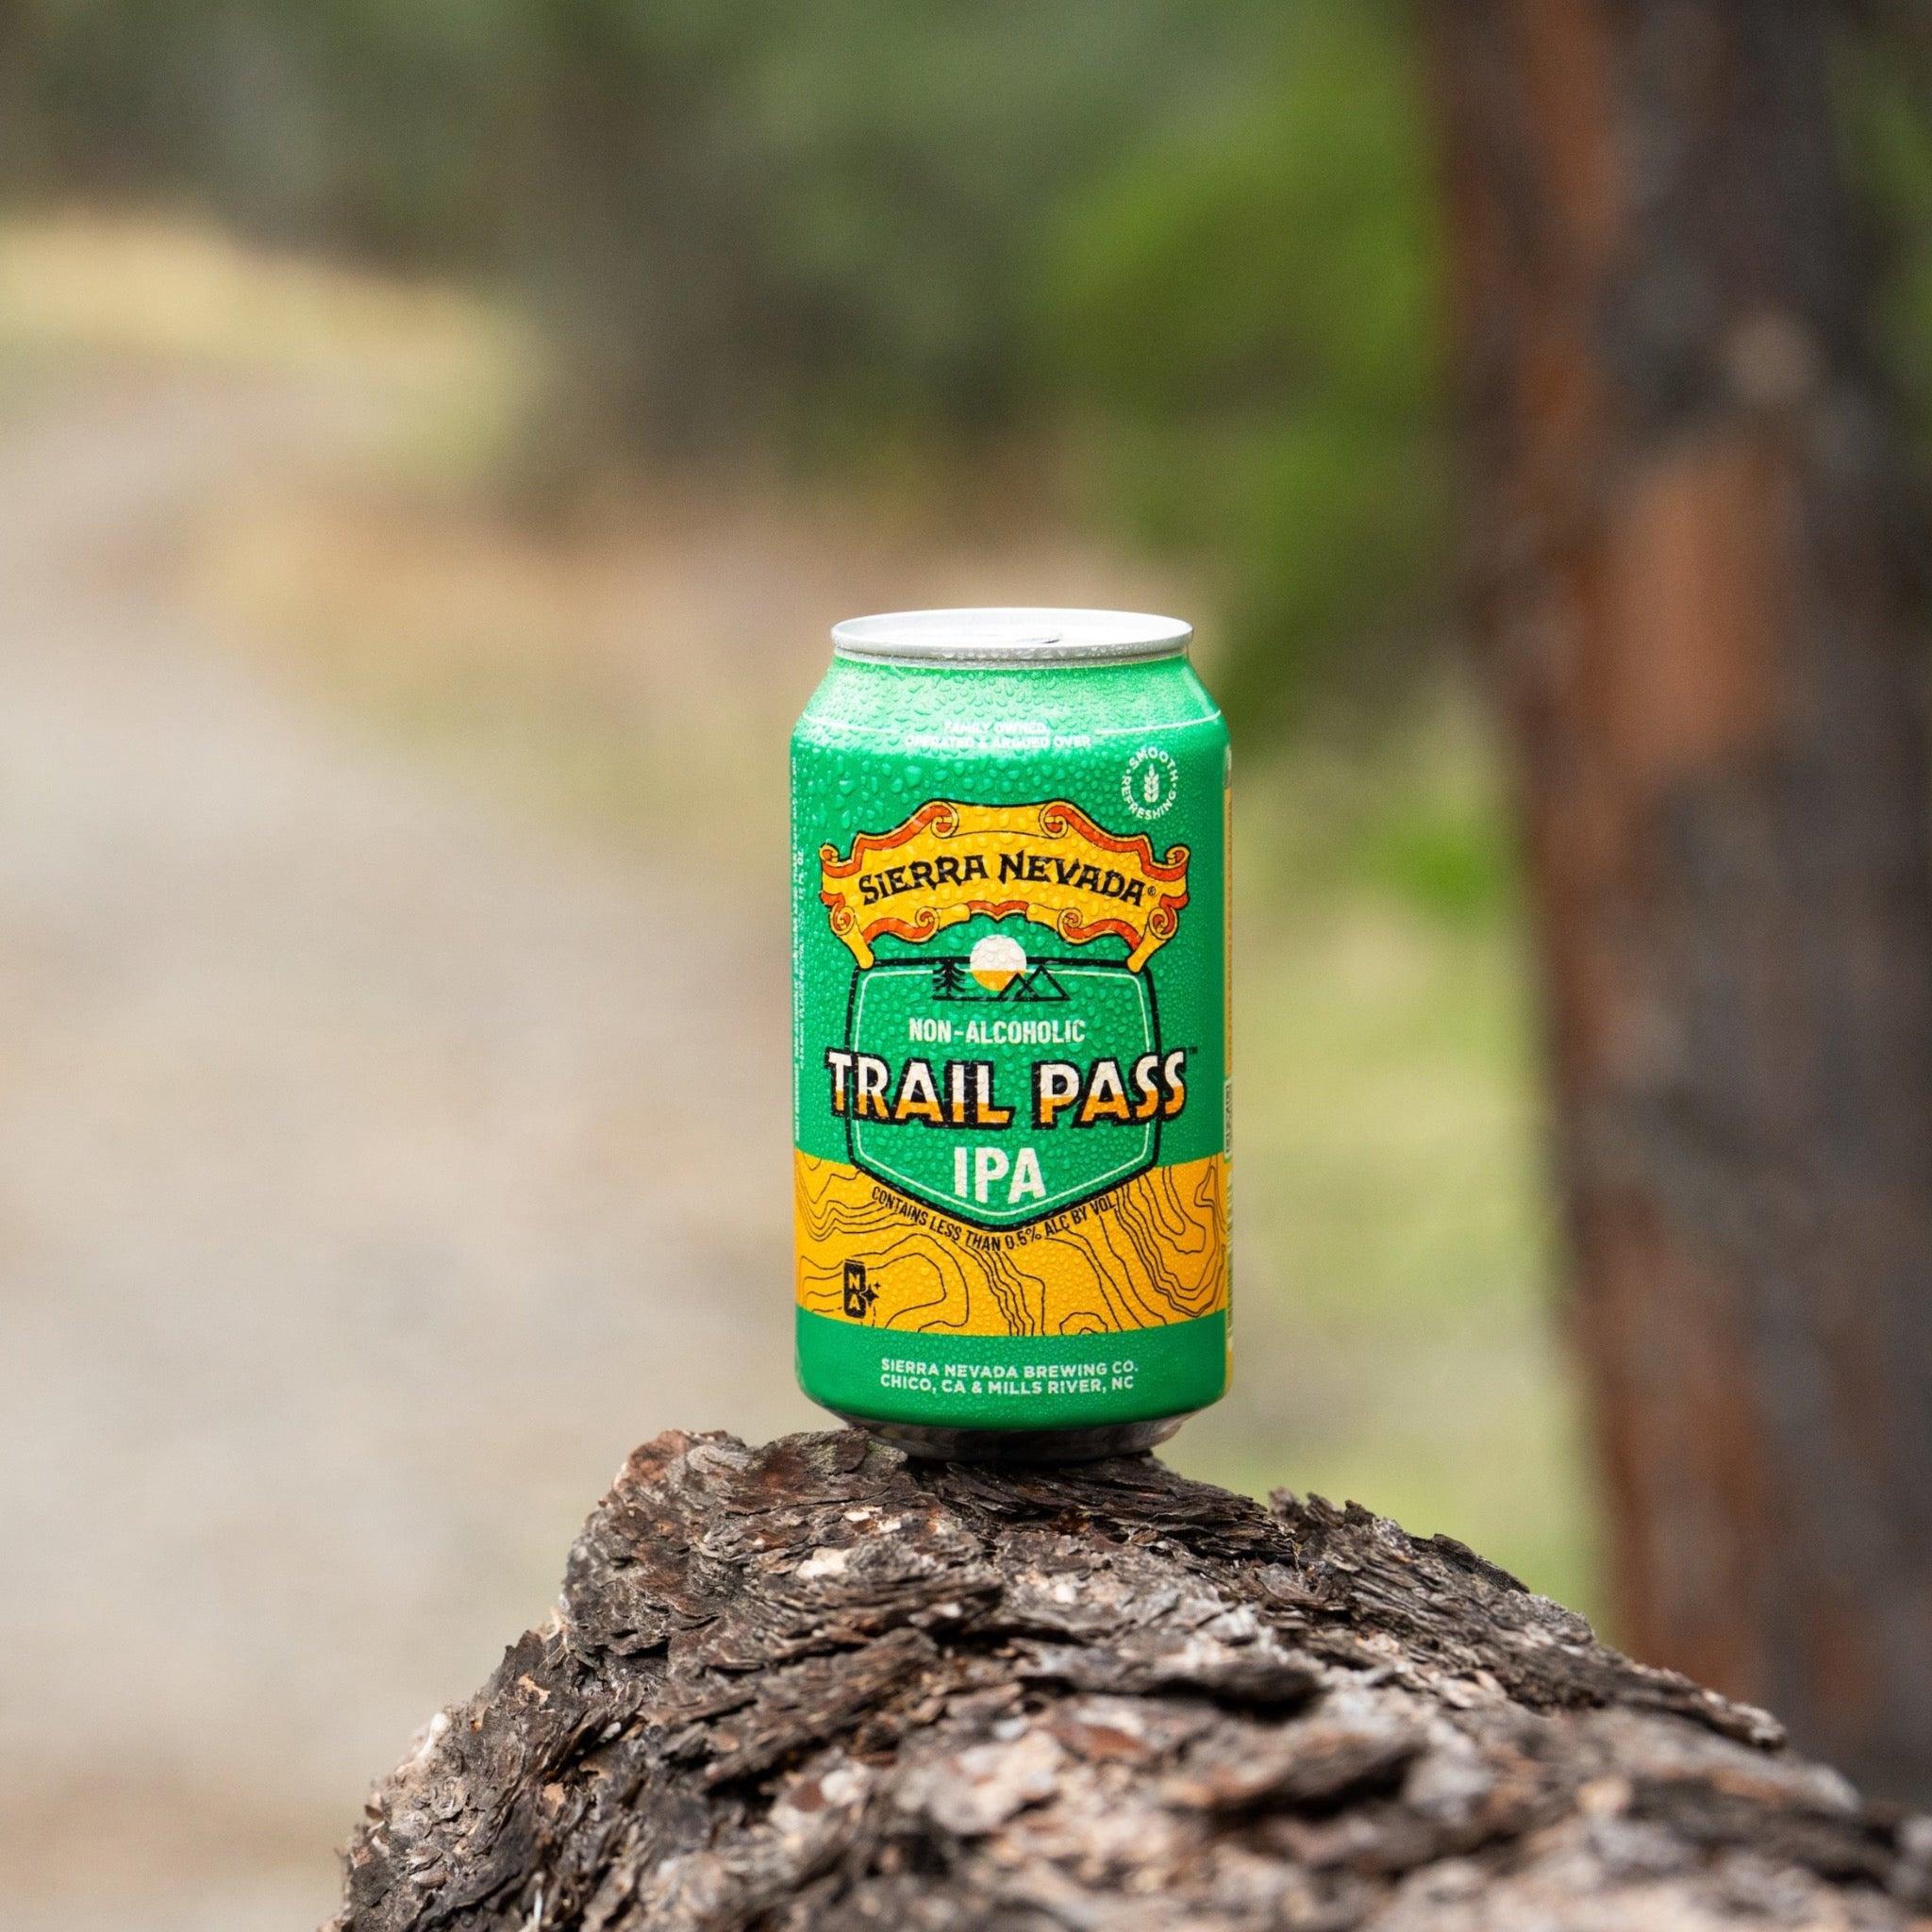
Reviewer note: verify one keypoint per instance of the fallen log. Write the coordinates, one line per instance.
(814, 1684)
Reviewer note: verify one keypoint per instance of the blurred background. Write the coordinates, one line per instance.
(434, 441)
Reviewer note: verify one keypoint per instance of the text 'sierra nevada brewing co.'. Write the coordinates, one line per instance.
(1009, 1022)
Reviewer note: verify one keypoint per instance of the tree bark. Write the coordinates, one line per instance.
(817, 1686)
(1697, 580)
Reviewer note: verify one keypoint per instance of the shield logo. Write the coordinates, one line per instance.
(974, 1030)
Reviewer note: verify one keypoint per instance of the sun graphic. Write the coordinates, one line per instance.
(996, 962)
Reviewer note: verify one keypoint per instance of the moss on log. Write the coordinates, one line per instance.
(814, 1684)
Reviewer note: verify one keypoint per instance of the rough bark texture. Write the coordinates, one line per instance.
(1697, 577)
(814, 1684)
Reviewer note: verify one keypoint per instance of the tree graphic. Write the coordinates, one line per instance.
(948, 981)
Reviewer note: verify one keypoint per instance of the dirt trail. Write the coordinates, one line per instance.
(373, 1171)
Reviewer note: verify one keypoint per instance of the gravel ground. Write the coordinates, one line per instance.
(375, 1171)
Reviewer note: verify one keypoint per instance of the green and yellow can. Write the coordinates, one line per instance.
(1009, 1027)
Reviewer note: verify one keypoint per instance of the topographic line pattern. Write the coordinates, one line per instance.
(1143, 1255)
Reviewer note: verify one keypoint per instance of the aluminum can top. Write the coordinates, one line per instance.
(1005, 634)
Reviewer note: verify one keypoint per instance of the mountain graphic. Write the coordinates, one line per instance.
(1038, 985)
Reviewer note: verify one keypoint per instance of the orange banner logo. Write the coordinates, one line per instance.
(949, 862)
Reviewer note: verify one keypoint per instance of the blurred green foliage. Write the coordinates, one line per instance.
(1250, 307)
(1884, 84)
(1186, 251)
(738, 209)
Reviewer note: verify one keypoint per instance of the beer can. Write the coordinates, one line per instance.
(1010, 1025)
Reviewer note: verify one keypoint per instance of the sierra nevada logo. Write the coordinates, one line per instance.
(997, 1079)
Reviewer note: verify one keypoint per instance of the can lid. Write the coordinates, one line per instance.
(1018, 635)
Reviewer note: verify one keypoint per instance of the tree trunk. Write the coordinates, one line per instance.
(816, 1686)
(1697, 584)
